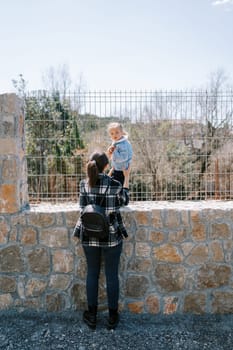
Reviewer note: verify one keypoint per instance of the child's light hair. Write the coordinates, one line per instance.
(116, 125)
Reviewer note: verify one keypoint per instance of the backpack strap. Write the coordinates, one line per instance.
(102, 199)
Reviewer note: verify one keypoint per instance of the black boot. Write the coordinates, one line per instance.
(89, 317)
(113, 319)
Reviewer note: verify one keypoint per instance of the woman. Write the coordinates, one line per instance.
(92, 190)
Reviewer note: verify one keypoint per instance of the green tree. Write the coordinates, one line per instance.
(52, 137)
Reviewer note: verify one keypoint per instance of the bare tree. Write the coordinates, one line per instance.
(213, 129)
(57, 79)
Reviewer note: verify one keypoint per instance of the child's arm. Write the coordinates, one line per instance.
(110, 151)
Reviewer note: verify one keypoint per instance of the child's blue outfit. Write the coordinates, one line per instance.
(121, 158)
(122, 154)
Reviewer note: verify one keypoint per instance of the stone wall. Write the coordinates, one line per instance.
(178, 258)
(13, 172)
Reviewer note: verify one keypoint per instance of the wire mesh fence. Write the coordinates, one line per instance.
(182, 142)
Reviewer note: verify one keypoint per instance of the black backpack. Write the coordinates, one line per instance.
(95, 222)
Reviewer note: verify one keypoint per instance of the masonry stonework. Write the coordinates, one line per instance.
(165, 267)
(13, 173)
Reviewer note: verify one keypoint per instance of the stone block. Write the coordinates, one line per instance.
(136, 307)
(198, 255)
(54, 237)
(8, 199)
(187, 247)
(4, 230)
(6, 301)
(78, 295)
(142, 217)
(61, 282)
(28, 235)
(213, 276)
(11, 259)
(128, 249)
(185, 220)
(60, 220)
(156, 219)
(140, 265)
(136, 286)
(29, 304)
(228, 250)
(130, 223)
(214, 214)
(195, 216)
(170, 278)
(142, 249)
(71, 218)
(217, 251)
(195, 303)
(63, 261)
(81, 268)
(168, 253)
(79, 251)
(39, 261)
(41, 219)
(152, 304)
(170, 305)
(10, 170)
(55, 302)
(18, 219)
(7, 127)
(172, 219)
(8, 147)
(142, 234)
(13, 235)
(198, 231)
(222, 302)
(35, 287)
(10, 104)
(7, 284)
(177, 236)
(157, 237)
(220, 231)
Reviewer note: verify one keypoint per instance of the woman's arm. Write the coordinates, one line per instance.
(126, 173)
(124, 192)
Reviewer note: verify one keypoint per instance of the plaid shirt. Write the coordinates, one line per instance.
(114, 199)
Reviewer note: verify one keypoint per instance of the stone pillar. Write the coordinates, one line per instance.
(13, 166)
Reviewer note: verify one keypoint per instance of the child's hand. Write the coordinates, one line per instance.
(111, 149)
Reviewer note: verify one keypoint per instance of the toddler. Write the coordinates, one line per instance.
(120, 152)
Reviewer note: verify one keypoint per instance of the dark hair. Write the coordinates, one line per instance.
(96, 165)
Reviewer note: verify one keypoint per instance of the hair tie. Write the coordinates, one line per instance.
(93, 162)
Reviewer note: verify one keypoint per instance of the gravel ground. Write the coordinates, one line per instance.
(40, 331)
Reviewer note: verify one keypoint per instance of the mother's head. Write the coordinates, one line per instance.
(96, 165)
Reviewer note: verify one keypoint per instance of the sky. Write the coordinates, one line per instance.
(116, 44)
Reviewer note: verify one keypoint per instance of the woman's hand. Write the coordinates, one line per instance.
(126, 173)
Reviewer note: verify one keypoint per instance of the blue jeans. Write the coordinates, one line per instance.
(111, 259)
